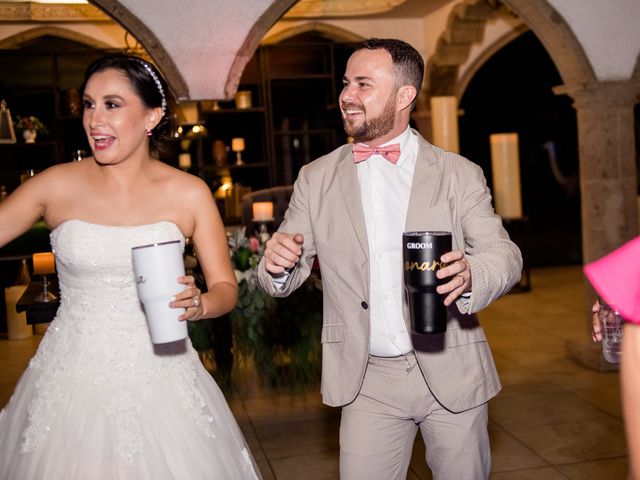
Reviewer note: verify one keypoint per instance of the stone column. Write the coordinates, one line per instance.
(608, 179)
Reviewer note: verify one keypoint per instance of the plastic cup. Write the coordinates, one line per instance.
(157, 268)
(611, 325)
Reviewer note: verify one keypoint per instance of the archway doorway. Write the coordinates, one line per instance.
(512, 92)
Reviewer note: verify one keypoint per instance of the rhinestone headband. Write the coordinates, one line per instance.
(158, 84)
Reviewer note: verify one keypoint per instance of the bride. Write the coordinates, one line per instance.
(98, 400)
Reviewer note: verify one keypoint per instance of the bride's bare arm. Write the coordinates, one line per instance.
(26, 205)
(210, 243)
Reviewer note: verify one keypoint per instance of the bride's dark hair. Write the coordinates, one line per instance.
(148, 84)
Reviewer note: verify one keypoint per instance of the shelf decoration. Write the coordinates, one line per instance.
(209, 106)
(73, 102)
(30, 127)
(7, 134)
(237, 145)
(243, 99)
(220, 154)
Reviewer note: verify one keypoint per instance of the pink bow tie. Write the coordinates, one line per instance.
(391, 152)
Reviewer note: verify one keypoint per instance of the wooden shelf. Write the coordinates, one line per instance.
(33, 146)
(248, 164)
(226, 111)
(309, 131)
(314, 76)
(233, 166)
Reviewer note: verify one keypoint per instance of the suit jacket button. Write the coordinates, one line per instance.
(364, 305)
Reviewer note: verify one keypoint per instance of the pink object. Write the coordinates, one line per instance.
(391, 152)
(254, 244)
(616, 278)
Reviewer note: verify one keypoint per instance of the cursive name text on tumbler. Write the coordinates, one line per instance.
(424, 266)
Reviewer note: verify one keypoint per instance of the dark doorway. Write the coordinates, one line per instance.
(512, 93)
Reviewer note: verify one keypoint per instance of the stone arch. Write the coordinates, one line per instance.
(557, 38)
(225, 81)
(21, 38)
(148, 40)
(466, 25)
(337, 34)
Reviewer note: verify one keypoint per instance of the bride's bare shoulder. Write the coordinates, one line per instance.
(185, 182)
(62, 174)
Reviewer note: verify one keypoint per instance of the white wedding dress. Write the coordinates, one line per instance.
(98, 400)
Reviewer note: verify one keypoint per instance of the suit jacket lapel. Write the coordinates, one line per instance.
(348, 178)
(426, 179)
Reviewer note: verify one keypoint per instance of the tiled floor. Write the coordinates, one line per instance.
(554, 418)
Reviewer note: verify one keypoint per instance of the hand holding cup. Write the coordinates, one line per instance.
(458, 271)
(190, 299)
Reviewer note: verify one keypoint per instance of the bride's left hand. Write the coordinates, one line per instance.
(190, 299)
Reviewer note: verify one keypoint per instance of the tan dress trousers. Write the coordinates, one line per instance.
(378, 428)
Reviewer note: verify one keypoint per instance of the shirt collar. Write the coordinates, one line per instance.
(408, 144)
(408, 147)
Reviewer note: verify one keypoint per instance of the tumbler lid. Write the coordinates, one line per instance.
(436, 233)
(155, 244)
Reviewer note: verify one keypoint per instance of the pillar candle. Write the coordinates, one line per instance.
(184, 161)
(43, 263)
(505, 165)
(444, 123)
(17, 326)
(262, 211)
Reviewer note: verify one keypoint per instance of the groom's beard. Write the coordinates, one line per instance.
(375, 127)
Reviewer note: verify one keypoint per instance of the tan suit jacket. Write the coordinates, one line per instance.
(448, 193)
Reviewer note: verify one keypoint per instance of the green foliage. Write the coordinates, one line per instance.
(201, 334)
(281, 336)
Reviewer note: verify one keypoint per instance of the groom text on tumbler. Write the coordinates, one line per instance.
(349, 208)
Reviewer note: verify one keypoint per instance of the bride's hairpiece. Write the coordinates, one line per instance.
(148, 68)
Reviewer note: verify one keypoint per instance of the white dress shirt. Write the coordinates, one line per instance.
(385, 190)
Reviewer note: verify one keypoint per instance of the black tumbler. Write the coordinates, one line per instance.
(421, 252)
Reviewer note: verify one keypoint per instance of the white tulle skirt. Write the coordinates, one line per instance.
(65, 425)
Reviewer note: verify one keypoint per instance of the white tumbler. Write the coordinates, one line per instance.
(157, 268)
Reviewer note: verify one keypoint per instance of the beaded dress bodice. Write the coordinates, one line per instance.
(97, 283)
(100, 333)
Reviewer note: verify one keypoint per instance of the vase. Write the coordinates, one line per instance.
(29, 136)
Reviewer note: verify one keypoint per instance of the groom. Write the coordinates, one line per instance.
(350, 208)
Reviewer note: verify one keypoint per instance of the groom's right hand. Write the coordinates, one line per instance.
(282, 251)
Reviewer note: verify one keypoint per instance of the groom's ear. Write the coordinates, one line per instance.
(405, 97)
